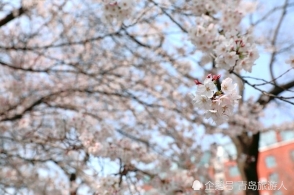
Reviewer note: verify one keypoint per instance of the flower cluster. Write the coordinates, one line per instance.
(220, 38)
(117, 10)
(231, 18)
(170, 181)
(218, 105)
(123, 149)
(235, 52)
(108, 185)
(200, 7)
(204, 34)
(247, 118)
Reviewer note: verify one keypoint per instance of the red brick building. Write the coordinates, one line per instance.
(275, 164)
(232, 174)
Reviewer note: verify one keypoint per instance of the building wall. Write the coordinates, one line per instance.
(276, 160)
(232, 175)
(281, 163)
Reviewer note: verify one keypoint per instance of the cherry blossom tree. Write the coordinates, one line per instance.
(110, 97)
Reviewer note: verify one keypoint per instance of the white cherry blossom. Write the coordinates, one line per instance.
(217, 105)
(216, 113)
(125, 4)
(220, 63)
(244, 64)
(231, 58)
(204, 34)
(207, 89)
(202, 101)
(228, 86)
(234, 52)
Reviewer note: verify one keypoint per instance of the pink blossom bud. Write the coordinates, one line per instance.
(197, 82)
(242, 44)
(216, 77)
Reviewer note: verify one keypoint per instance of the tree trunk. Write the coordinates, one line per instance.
(247, 148)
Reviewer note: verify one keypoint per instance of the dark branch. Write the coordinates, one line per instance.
(14, 14)
(275, 92)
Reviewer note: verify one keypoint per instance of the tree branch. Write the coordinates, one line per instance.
(14, 14)
(274, 93)
(274, 40)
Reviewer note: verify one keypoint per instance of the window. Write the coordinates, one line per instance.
(292, 155)
(234, 171)
(274, 177)
(268, 138)
(270, 161)
(287, 135)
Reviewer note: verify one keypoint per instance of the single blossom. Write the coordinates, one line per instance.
(220, 63)
(216, 114)
(201, 101)
(245, 64)
(253, 53)
(227, 85)
(125, 4)
(231, 58)
(207, 89)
